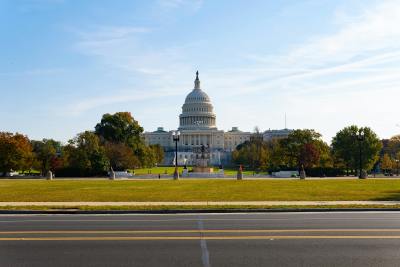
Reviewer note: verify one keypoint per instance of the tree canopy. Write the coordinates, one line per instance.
(120, 127)
(345, 147)
(304, 148)
(46, 154)
(15, 152)
(85, 155)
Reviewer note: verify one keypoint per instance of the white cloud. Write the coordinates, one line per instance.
(122, 96)
(35, 72)
(374, 30)
(361, 56)
(158, 70)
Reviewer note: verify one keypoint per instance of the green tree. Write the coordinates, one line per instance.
(46, 154)
(277, 155)
(15, 152)
(158, 153)
(386, 163)
(120, 128)
(121, 156)
(253, 153)
(345, 147)
(85, 155)
(303, 148)
(394, 146)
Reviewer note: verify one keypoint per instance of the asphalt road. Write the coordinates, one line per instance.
(267, 239)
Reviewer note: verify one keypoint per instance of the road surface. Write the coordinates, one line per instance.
(262, 239)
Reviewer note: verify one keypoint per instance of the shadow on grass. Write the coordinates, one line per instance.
(392, 195)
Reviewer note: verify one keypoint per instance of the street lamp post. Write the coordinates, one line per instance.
(397, 163)
(175, 137)
(360, 138)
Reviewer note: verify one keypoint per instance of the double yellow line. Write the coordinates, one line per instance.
(132, 235)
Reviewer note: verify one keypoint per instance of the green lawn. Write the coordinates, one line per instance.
(157, 170)
(170, 171)
(198, 190)
(195, 208)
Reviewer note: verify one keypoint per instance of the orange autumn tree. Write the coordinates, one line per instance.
(15, 152)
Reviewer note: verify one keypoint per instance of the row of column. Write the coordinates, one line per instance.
(193, 120)
(196, 139)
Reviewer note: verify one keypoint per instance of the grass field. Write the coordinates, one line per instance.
(196, 208)
(198, 190)
(170, 171)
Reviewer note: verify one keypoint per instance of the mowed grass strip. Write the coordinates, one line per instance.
(170, 171)
(193, 207)
(198, 190)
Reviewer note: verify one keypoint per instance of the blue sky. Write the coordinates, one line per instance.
(326, 64)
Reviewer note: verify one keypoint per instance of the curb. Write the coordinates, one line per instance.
(222, 211)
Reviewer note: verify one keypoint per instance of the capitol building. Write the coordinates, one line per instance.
(198, 127)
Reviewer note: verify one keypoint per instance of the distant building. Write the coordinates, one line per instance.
(276, 134)
(197, 126)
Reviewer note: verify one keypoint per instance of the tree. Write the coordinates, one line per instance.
(386, 163)
(325, 154)
(120, 128)
(15, 152)
(309, 155)
(158, 153)
(303, 148)
(276, 157)
(46, 153)
(345, 147)
(121, 156)
(85, 155)
(394, 146)
(253, 153)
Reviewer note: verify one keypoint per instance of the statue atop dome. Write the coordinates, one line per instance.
(197, 81)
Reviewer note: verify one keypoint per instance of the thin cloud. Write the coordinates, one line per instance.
(33, 72)
(365, 44)
(373, 31)
(94, 102)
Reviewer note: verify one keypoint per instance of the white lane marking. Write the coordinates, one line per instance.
(205, 256)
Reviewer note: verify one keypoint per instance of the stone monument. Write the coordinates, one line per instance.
(302, 173)
(49, 175)
(239, 175)
(112, 174)
(202, 160)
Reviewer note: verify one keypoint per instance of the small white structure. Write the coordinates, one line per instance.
(285, 174)
(12, 173)
(49, 175)
(123, 174)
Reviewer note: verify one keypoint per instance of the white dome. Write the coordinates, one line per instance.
(197, 111)
(197, 96)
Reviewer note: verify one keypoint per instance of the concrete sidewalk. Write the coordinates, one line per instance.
(203, 203)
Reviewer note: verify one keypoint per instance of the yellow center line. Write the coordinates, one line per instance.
(197, 231)
(144, 238)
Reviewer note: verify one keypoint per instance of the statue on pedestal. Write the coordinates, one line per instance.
(240, 173)
(202, 159)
